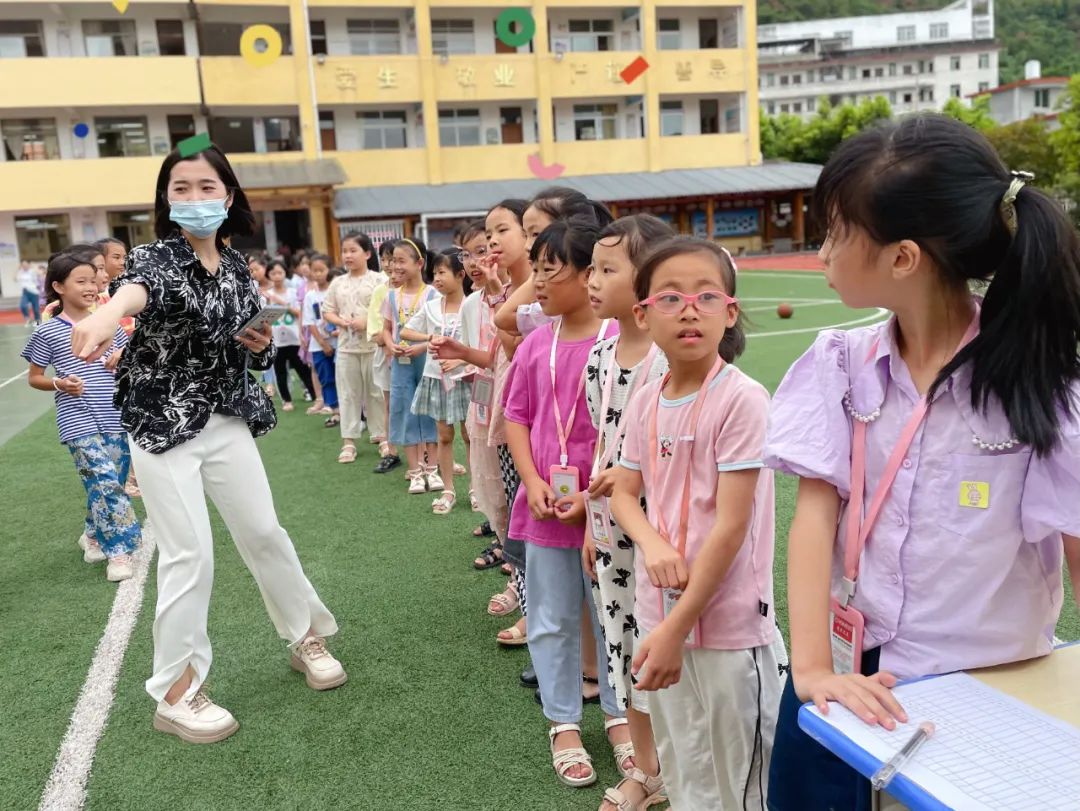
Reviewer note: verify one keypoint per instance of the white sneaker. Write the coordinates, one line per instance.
(321, 670)
(417, 482)
(195, 720)
(434, 480)
(91, 550)
(119, 568)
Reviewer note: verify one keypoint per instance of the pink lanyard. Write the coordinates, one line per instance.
(695, 412)
(858, 528)
(601, 460)
(564, 430)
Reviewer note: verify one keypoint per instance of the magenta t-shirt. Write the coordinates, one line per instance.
(528, 401)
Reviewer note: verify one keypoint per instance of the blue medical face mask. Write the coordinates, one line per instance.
(200, 218)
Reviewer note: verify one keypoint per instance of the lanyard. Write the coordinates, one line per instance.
(602, 459)
(695, 412)
(564, 430)
(404, 315)
(859, 528)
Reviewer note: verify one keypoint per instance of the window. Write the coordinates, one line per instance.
(318, 37)
(866, 73)
(170, 37)
(772, 108)
(452, 37)
(909, 70)
(30, 139)
(459, 127)
(852, 72)
(796, 107)
(907, 98)
(594, 122)
(811, 105)
(384, 129)
(668, 37)
(1042, 98)
(905, 33)
(892, 97)
(785, 80)
(954, 63)
(984, 86)
(122, 137)
(592, 35)
(954, 91)
(233, 134)
(892, 68)
(671, 118)
(939, 30)
(327, 133)
(796, 78)
(926, 66)
(785, 108)
(709, 33)
(809, 77)
(282, 134)
(984, 60)
(133, 227)
(373, 37)
(21, 38)
(110, 37)
(845, 38)
(879, 72)
(40, 236)
(732, 119)
(926, 94)
(180, 127)
(710, 117)
(770, 79)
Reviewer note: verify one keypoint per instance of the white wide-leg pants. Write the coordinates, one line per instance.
(223, 463)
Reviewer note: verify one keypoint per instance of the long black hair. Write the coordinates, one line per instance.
(61, 264)
(241, 219)
(515, 205)
(937, 182)
(571, 242)
(366, 245)
(733, 344)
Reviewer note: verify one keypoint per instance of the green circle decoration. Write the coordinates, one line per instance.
(526, 27)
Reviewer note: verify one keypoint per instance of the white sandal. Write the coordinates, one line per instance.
(417, 482)
(434, 480)
(504, 603)
(565, 759)
(459, 469)
(654, 792)
(623, 751)
(444, 503)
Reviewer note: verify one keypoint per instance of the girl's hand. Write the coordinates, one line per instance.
(93, 336)
(415, 350)
(113, 360)
(72, 384)
(450, 365)
(490, 266)
(662, 651)
(358, 324)
(445, 348)
(570, 510)
(397, 350)
(326, 348)
(603, 484)
(588, 556)
(666, 567)
(869, 697)
(541, 499)
(256, 341)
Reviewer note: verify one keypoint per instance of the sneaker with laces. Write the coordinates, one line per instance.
(119, 568)
(321, 670)
(434, 480)
(195, 720)
(417, 482)
(91, 549)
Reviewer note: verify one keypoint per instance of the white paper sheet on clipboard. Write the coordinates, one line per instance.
(990, 750)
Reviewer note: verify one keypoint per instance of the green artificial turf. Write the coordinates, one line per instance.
(432, 717)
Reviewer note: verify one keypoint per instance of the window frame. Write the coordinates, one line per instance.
(599, 114)
(105, 125)
(36, 35)
(374, 42)
(453, 40)
(388, 121)
(124, 34)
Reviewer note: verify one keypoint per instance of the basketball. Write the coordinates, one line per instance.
(785, 310)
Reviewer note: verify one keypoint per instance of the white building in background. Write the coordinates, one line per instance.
(1034, 95)
(916, 60)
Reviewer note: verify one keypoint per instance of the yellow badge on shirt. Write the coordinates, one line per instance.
(975, 494)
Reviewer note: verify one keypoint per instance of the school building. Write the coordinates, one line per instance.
(396, 116)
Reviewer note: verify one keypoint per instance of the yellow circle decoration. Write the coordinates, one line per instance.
(266, 34)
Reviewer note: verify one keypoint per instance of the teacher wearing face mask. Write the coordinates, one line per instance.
(192, 412)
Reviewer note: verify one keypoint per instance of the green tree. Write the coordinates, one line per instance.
(1067, 137)
(977, 116)
(1026, 145)
(788, 137)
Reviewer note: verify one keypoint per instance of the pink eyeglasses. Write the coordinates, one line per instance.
(707, 302)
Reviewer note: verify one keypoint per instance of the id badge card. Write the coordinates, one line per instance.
(482, 393)
(564, 480)
(600, 522)
(404, 360)
(671, 599)
(846, 627)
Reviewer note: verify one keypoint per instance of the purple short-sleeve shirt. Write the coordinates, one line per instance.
(963, 567)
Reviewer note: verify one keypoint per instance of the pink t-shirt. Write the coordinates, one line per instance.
(528, 400)
(730, 436)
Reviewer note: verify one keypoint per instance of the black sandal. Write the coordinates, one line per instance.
(489, 557)
(483, 531)
(332, 421)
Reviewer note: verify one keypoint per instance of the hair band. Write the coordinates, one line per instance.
(731, 259)
(1008, 200)
(419, 253)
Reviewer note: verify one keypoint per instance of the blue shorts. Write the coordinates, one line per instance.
(804, 775)
(407, 428)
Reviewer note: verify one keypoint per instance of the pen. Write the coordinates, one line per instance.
(887, 772)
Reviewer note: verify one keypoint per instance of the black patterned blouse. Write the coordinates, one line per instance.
(183, 362)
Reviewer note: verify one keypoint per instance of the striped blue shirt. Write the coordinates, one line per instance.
(93, 411)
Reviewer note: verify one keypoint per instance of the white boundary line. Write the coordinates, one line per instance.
(19, 376)
(881, 311)
(66, 786)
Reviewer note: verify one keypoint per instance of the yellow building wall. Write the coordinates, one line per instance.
(300, 83)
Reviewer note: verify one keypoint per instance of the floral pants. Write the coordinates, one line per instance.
(103, 462)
